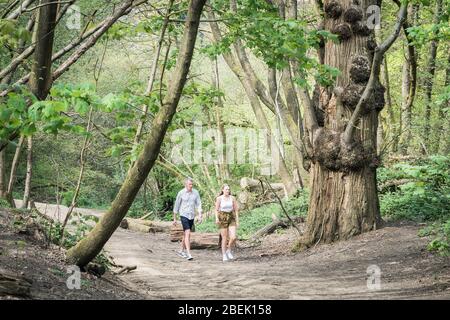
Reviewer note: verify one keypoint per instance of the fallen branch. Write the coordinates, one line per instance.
(282, 207)
(271, 227)
(126, 269)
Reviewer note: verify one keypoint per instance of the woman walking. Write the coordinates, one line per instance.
(227, 218)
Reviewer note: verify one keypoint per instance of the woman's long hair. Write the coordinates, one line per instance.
(223, 187)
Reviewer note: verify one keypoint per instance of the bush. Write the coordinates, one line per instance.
(441, 237)
(425, 198)
(4, 204)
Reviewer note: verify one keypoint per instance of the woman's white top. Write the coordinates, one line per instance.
(226, 203)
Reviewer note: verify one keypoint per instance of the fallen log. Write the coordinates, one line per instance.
(14, 285)
(145, 225)
(198, 240)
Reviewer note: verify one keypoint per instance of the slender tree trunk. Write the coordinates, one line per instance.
(406, 112)
(223, 161)
(3, 184)
(443, 113)
(86, 250)
(151, 80)
(274, 89)
(245, 74)
(41, 70)
(80, 176)
(343, 192)
(12, 175)
(26, 194)
(392, 132)
(409, 83)
(429, 79)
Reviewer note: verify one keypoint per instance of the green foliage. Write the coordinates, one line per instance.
(4, 203)
(11, 33)
(440, 233)
(274, 40)
(425, 198)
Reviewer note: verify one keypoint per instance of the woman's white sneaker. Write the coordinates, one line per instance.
(225, 258)
(229, 255)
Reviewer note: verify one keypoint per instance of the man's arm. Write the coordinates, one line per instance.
(176, 207)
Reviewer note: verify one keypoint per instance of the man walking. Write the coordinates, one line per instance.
(188, 200)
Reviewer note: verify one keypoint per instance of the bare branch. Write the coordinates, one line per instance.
(377, 59)
(16, 13)
(46, 4)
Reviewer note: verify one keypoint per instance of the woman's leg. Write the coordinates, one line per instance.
(232, 237)
(224, 234)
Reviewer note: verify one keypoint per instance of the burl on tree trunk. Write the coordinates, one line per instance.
(344, 200)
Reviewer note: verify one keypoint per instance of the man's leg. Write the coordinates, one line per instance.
(187, 241)
(183, 247)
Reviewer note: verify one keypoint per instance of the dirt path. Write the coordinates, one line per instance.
(270, 271)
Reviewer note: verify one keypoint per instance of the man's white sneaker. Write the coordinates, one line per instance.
(225, 258)
(182, 254)
(189, 257)
(229, 255)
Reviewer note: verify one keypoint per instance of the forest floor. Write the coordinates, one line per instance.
(271, 271)
(24, 255)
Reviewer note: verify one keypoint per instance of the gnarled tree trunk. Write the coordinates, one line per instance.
(344, 200)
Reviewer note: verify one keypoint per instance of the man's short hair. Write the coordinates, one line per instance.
(188, 179)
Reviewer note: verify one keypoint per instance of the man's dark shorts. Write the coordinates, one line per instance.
(188, 224)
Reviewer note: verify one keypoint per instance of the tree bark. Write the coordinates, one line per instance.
(429, 79)
(26, 195)
(409, 83)
(393, 132)
(41, 70)
(13, 171)
(442, 116)
(86, 250)
(343, 191)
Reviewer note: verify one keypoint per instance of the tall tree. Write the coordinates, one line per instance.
(344, 200)
(429, 79)
(88, 248)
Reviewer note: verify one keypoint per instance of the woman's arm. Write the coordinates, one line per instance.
(217, 209)
(236, 211)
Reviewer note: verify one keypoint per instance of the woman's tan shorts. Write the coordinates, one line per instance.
(226, 219)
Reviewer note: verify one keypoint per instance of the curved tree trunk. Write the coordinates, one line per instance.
(88, 248)
(344, 200)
